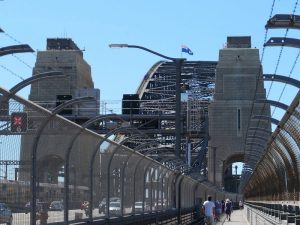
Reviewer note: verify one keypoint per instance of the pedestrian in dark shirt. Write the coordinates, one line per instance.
(223, 206)
(228, 209)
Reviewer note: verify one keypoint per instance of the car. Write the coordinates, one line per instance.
(5, 214)
(28, 207)
(115, 199)
(56, 206)
(159, 205)
(139, 207)
(115, 208)
(102, 204)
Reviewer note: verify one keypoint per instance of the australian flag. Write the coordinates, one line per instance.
(186, 49)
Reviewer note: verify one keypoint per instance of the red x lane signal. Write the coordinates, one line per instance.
(18, 122)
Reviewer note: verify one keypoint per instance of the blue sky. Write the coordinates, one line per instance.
(160, 25)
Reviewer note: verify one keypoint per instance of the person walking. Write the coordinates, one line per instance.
(228, 208)
(223, 206)
(241, 205)
(218, 210)
(209, 211)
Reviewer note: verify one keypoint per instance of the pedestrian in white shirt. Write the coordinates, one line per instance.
(209, 211)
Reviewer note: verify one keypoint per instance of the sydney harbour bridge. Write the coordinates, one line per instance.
(173, 144)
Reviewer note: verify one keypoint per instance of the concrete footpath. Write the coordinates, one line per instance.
(237, 218)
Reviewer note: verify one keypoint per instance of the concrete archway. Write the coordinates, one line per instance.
(234, 104)
(231, 178)
(49, 168)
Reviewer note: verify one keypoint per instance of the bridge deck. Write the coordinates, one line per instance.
(237, 217)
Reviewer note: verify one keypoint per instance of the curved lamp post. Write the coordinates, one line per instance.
(15, 49)
(178, 63)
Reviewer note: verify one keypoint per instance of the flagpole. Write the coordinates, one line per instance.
(181, 51)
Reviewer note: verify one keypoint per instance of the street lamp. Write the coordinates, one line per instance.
(236, 178)
(178, 63)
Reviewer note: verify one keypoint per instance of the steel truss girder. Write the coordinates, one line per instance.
(266, 118)
(260, 129)
(15, 49)
(282, 79)
(283, 21)
(159, 82)
(283, 41)
(14, 162)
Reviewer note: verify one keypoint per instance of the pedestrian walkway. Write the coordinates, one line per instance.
(237, 218)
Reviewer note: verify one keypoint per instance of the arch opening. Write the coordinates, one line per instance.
(232, 170)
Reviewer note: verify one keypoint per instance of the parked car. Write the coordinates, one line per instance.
(28, 207)
(139, 207)
(56, 206)
(5, 214)
(102, 204)
(115, 208)
(159, 205)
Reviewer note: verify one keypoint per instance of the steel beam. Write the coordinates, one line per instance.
(282, 79)
(288, 21)
(266, 118)
(283, 41)
(15, 49)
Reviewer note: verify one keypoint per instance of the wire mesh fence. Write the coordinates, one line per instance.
(55, 171)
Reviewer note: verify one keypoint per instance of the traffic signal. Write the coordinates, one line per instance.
(18, 122)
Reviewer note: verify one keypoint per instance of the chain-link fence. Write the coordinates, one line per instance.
(56, 171)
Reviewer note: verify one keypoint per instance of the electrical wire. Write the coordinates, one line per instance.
(276, 68)
(259, 73)
(18, 58)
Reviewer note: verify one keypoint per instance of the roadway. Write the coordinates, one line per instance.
(54, 216)
(237, 218)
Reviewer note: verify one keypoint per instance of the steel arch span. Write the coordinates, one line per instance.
(156, 94)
